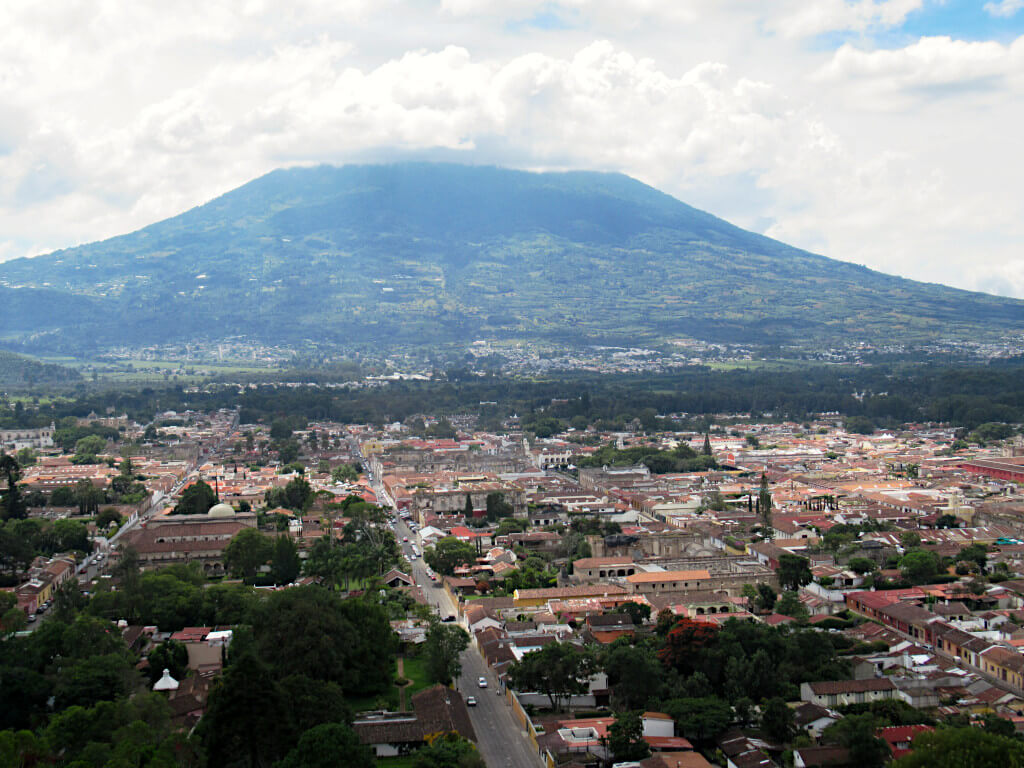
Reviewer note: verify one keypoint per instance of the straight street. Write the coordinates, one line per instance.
(500, 739)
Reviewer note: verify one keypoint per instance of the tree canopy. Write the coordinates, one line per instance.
(196, 499)
(448, 554)
(558, 670)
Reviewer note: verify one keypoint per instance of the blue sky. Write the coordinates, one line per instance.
(962, 19)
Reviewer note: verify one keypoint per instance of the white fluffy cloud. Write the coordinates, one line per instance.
(929, 64)
(116, 114)
(1004, 8)
(813, 18)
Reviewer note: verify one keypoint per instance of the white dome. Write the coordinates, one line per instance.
(166, 682)
(221, 510)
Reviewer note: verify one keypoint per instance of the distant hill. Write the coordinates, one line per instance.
(424, 254)
(17, 372)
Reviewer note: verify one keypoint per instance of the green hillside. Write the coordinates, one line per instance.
(19, 372)
(427, 254)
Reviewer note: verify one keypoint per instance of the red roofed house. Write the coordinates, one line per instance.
(899, 738)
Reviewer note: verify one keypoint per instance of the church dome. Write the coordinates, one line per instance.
(221, 510)
(166, 682)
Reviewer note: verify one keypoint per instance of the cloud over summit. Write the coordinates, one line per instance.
(899, 156)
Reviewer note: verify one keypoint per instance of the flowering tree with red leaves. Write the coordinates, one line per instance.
(684, 642)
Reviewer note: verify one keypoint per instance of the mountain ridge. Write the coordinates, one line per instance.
(424, 253)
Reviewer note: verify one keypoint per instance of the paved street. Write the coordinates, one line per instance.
(501, 741)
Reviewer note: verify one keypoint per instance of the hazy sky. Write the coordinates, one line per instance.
(883, 132)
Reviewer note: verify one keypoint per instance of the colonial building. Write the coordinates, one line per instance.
(190, 538)
(16, 439)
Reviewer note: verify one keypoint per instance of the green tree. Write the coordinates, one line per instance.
(442, 650)
(699, 719)
(88, 448)
(448, 554)
(793, 571)
(16, 553)
(764, 507)
(130, 574)
(910, 540)
(762, 598)
(328, 746)
(975, 553)
(998, 726)
(299, 494)
(246, 552)
(634, 674)
(861, 565)
(626, 737)
(285, 564)
(467, 509)
(310, 631)
(170, 655)
(558, 670)
(344, 473)
(13, 620)
(326, 562)
(69, 535)
(96, 678)
(280, 429)
(106, 517)
(919, 566)
(14, 507)
(449, 751)
(314, 702)
(859, 425)
(62, 496)
(857, 733)
(497, 507)
(68, 600)
(26, 457)
(21, 749)
(196, 500)
(247, 723)
(88, 497)
(963, 748)
(777, 720)
(706, 449)
(287, 451)
(789, 605)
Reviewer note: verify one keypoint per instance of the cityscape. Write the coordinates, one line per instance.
(512, 384)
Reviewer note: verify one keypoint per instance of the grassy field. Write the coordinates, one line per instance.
(149, 371)
(416, 671)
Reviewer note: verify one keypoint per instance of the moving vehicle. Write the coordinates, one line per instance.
(470, 701)
(482, 682)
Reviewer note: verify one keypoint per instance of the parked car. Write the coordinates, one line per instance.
(482, 682)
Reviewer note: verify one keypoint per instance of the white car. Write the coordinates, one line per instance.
(482, 682)
(470, 701)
